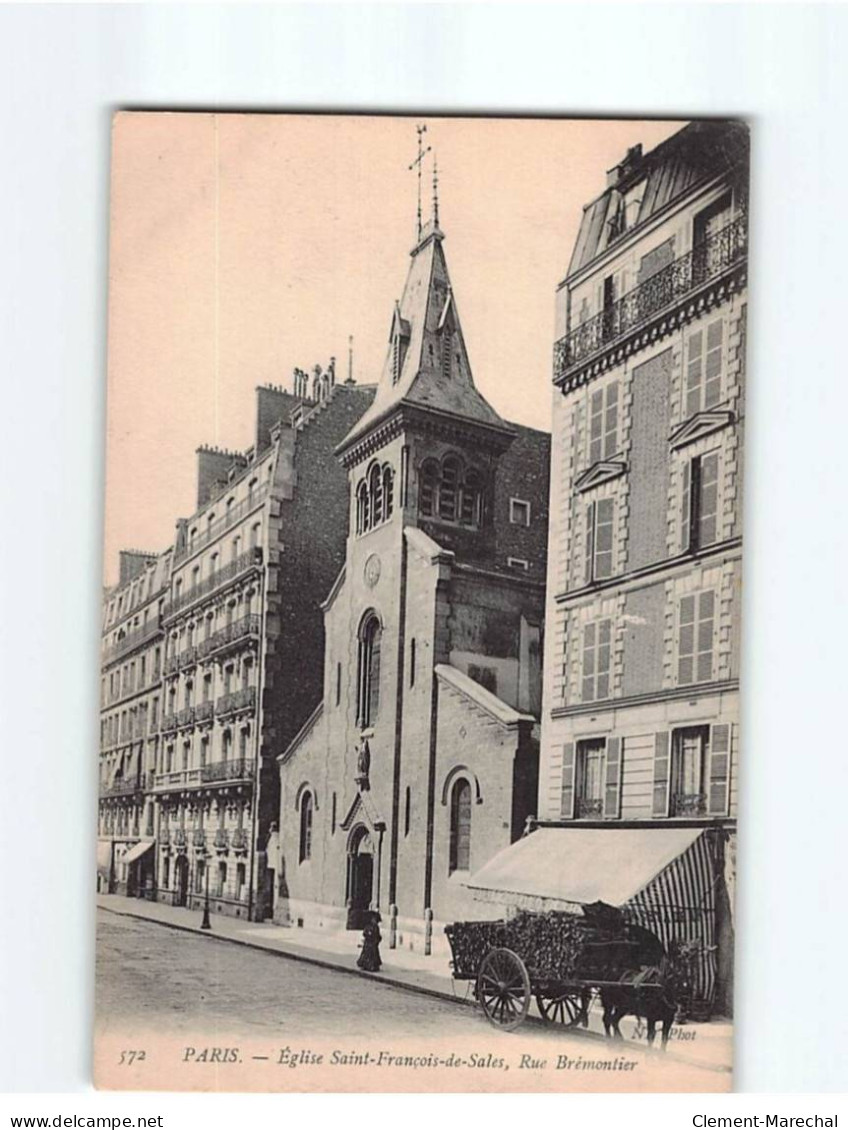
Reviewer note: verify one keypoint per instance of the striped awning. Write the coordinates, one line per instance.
(662, 877)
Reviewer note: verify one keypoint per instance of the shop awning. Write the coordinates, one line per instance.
(663, 877)
(582, 865)
(104, 856)
(137, 851)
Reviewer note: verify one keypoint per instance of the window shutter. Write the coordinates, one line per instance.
(596, 427)
(713, 363)
(694, 371)
(590, 541)
(661, 772)
(567, 806)
(612, 794)
(686, 509)
(611, 421)
(719, 777)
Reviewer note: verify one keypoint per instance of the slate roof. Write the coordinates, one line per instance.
(699, 152)
(427, 308)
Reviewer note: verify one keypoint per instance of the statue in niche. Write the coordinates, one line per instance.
(363, 765)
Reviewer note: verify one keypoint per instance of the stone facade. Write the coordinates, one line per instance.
(240, 648)
(641, 700)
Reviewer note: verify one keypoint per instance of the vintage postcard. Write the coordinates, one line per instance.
(419, 724)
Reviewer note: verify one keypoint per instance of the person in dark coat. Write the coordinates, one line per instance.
(369, 959)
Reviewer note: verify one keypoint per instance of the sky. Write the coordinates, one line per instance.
(245, 245)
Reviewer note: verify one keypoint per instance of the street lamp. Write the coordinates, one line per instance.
(206, 924)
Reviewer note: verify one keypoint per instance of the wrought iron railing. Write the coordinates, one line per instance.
(172, 664)
(235, 513)
(588, 807)
(169, 722)
(240, 842)
(704, 262)
(244, 627)
(120, 788)
(132, 639)
(204, 711)
(688, 804)
(242, 563)
(222, 840)
(238, 770)
(243, 699)
(185, 717)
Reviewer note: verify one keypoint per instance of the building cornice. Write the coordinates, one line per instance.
(668, 566)
(668, 694)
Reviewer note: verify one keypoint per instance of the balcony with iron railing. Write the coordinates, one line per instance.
(121, 788)
(185, 717)
(235, 513)
(132, 640)
(238, 770)
(236, 701)
(251, 559)
(706, 262)
(204, 711)
(246, 627)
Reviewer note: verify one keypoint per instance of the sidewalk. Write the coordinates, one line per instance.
(702, 1045)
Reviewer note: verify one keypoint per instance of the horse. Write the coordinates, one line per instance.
(649, 994)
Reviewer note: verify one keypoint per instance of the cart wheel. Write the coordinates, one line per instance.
(503, 988)
(566, 1009)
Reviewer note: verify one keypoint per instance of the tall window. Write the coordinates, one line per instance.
(449, 489)
(603, 423)
(374, 498)
(369, 670)
(451, 492)
(704, 363)
(222, 878)
(591, 777)
(460, 827)
(597, 652)
(688, 766)
(306, 810)
(696, 630)
(699, 511)
(600, 518)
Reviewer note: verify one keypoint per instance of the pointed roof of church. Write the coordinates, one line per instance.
(427, 363)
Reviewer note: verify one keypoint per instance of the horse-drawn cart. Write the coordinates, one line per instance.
(561, 959)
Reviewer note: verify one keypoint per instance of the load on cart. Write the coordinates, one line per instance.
(563, 960)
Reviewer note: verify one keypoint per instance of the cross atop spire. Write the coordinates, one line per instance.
(435, 193)
(420, 129)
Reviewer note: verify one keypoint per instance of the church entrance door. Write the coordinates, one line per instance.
(360, 877)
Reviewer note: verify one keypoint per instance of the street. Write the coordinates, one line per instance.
(185, 989)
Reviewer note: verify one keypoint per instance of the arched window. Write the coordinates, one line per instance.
(375, 492)
(428, 488)
(374, 498)
(451, 493)
(369, 670)
(470, 503)
(449, 489)
(363, 509)
(306, 810)
(388, 493)
(460, 826)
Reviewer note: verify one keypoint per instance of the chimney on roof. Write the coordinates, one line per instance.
(619, 172)
(131, 562)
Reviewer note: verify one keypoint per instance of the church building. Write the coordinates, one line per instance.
(420, 762)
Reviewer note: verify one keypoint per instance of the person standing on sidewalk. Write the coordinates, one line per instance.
(369, 959)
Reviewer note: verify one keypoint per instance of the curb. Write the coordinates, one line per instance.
(392, 982)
